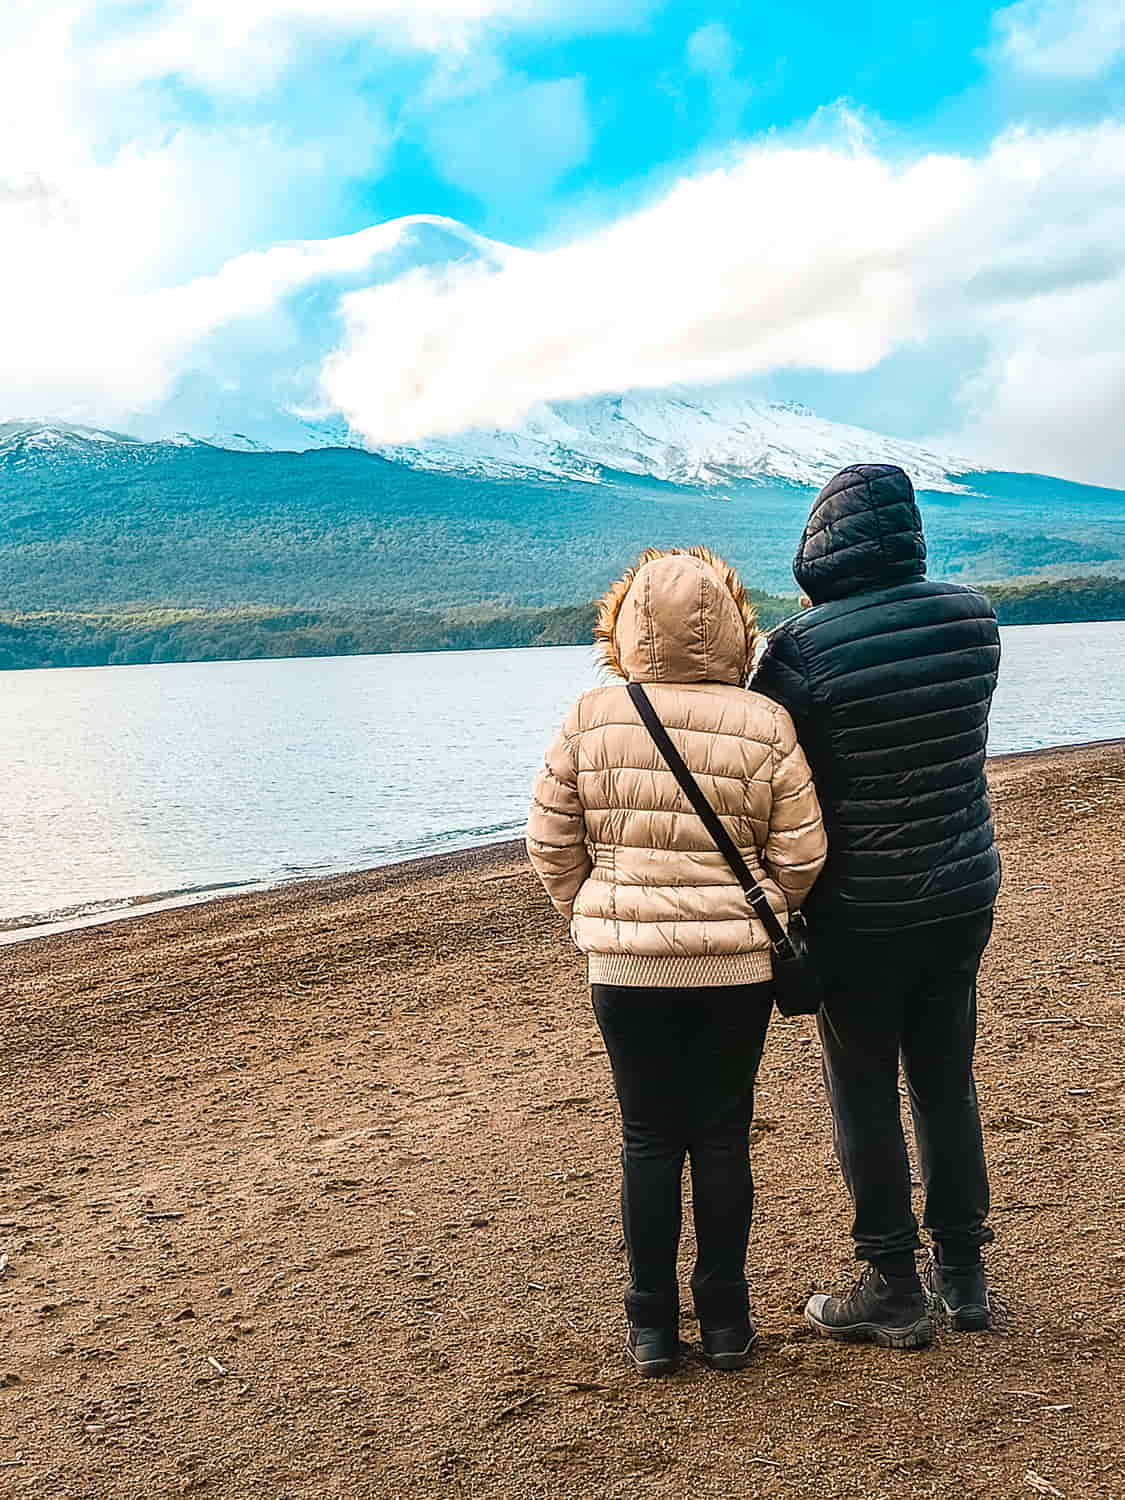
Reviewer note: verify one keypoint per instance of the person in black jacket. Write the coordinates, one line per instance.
(889, 678)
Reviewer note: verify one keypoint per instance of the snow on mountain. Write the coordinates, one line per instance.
(53, 437)
(680, 436)
(683, 436)
(33, 444)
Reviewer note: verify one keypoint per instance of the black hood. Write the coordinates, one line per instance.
(864, 532)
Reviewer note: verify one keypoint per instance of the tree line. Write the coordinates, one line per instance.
(122, 637)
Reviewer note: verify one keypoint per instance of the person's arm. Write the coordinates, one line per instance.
(796, 845)
(556, 826)
(781, 675)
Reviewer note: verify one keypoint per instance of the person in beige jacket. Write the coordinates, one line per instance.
(678, 964)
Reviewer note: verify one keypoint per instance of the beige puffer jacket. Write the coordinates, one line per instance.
(617, 846)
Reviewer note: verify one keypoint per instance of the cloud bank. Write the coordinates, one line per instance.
(138, 161)
(1068, 40)
(144, 146)
(789, 258)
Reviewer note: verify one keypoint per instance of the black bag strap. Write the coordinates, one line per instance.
(711, 821)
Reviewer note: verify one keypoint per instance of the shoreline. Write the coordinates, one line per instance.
(90, 639)
(465, 860)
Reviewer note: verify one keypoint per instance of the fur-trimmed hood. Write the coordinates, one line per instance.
(678, 616)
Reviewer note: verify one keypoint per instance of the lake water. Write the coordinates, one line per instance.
(130, 783)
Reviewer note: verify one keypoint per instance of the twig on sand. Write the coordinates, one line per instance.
(1040, 1485)
(215, 1365)
(1069, 1021)
(510, 1411)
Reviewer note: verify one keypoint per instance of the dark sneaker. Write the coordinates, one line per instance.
(963, 1292)
(653, 1351)
(729, 1348)
(886, 1310)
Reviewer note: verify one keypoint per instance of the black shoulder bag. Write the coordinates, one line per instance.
(797, 987)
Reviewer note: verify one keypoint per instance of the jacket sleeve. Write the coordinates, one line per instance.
(781, 675)
(796, 846)
(556, 826)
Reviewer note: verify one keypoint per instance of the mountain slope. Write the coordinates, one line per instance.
(90, 523)
(683, 436)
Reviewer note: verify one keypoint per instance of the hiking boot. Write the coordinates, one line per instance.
(729, 1348)
(963, 1292)
(653, 1351)
(886, 1310)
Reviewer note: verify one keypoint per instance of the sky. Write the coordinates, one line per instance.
(911, 217)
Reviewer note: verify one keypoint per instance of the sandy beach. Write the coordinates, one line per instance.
(311, 1192)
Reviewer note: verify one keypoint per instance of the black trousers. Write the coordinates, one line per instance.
(684, 1066)
(908, 995)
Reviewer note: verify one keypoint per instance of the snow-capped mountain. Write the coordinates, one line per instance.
(680, 436)
(249, 379)
(36, 443)
(683, 436)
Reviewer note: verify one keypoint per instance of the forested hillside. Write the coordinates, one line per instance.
(203, 527)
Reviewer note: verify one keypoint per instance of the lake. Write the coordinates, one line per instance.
(165, 783)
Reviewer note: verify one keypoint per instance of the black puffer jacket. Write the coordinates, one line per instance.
(889, 680)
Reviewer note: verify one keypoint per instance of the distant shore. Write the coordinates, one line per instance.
(312, 1191)
(162, 633)
(467, 861)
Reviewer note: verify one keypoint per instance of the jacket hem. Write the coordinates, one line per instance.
(679, 970)
(840, 919)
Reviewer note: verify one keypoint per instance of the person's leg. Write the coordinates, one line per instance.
(722, 1058)
(939, 1038)
(642, 1030)
(869, 981)
(869, 977)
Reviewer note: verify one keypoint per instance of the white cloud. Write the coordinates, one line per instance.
(743, 269)
(713, 53)
(712, 49)
(242, 45)
(115, 182)
(1069, 40)
(792, 258)
(513, 139)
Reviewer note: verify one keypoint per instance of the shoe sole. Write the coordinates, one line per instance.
(730, 1359)
(912, 1336)
(651, 1369)
(972, 1318)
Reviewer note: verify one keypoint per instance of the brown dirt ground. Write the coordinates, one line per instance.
(311, 1193)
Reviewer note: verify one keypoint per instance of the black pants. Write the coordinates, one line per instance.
(684, 1065)
(910, 995)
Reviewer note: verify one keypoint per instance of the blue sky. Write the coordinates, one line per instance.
(147, 148)
(688, 80)
(540, 125)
